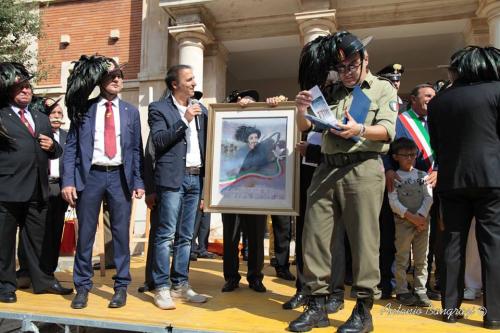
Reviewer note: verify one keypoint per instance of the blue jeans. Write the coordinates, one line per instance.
(177, 213)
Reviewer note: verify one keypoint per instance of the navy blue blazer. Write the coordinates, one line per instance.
(168, 132)
(78, 153)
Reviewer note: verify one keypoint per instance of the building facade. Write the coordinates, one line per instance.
(252, 44)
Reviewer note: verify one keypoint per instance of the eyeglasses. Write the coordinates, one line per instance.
(412, 155)
(346, 68)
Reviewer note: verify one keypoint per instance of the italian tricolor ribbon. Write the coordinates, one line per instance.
(419, 134)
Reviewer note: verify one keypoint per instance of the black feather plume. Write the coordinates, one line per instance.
(312, 64)
(86, 75)
(9, 71)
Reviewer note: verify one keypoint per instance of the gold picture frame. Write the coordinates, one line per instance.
(252, 166)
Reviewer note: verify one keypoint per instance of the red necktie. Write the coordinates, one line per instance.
(26, 122)
(109, 131)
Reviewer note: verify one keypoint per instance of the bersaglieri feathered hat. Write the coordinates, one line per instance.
(87, 73)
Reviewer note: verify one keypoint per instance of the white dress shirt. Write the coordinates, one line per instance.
(54, 164)
(99, 157)
(193, 154)
(27, 115)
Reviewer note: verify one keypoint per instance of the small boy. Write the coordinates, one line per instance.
(410, 202)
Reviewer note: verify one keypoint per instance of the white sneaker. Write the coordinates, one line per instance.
(471, 294)
(163, 300)
(185, 292)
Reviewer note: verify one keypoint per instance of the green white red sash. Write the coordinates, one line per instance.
(419, 134)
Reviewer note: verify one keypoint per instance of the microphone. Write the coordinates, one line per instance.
(194, 101)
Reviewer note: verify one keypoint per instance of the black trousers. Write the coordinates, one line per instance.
(256, 229)
(150, 257)
(53, 229)
(459, 207)
(435, 254)
(30, 217)
(387, 248)
(199, 243)
(306, 173)
(282, 229)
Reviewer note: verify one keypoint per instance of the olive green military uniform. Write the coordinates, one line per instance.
(349, 184)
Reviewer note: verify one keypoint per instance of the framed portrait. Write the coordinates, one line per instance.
(251, 163)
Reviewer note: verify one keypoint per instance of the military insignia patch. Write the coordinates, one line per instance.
(394, 105)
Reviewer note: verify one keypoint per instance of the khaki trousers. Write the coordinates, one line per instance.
(407, 239)
(353, 194)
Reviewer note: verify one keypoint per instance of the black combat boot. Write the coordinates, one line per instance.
(314, 315)
(360, 320)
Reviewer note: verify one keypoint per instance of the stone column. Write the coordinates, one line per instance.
(315, 23)
(154, 50)
(491, 10)
(191, 39)
(215, 67)
(477, 32)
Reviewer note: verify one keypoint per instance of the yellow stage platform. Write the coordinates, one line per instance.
(240, 311)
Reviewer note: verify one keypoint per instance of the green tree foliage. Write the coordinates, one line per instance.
(19, 30)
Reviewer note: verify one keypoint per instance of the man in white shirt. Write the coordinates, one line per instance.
(178, 129)
(103, 159)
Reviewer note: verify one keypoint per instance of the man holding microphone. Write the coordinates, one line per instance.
(180, 152)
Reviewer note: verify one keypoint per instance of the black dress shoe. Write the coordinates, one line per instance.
(193, 256)
(80, 300)
(23, 282)
(491, 324)
(273, 262)
(285, 274)
(119, 299)
(230, 285)
(207, 255)
(146, 287)
(57, 289)
(434, 295)
(452, 318)
(8, 297)
(257, 286)
(97, 266)
(334, 305)
(295, 302)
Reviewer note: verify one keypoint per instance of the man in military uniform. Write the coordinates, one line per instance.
(393, 72)
(349, 183)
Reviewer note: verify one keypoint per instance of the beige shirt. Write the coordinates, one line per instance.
(383, 111)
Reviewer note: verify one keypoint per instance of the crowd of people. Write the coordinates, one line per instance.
(392, 188)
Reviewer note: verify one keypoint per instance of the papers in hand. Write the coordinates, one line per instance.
(323, 117)
(321, 125)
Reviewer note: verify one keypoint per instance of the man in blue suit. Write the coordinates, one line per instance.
(103, 158)
(178, 129)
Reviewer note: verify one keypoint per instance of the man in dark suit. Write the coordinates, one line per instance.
(178, 129)
(464, 133)
(103, 158)
(26, 145)
(56, 206)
